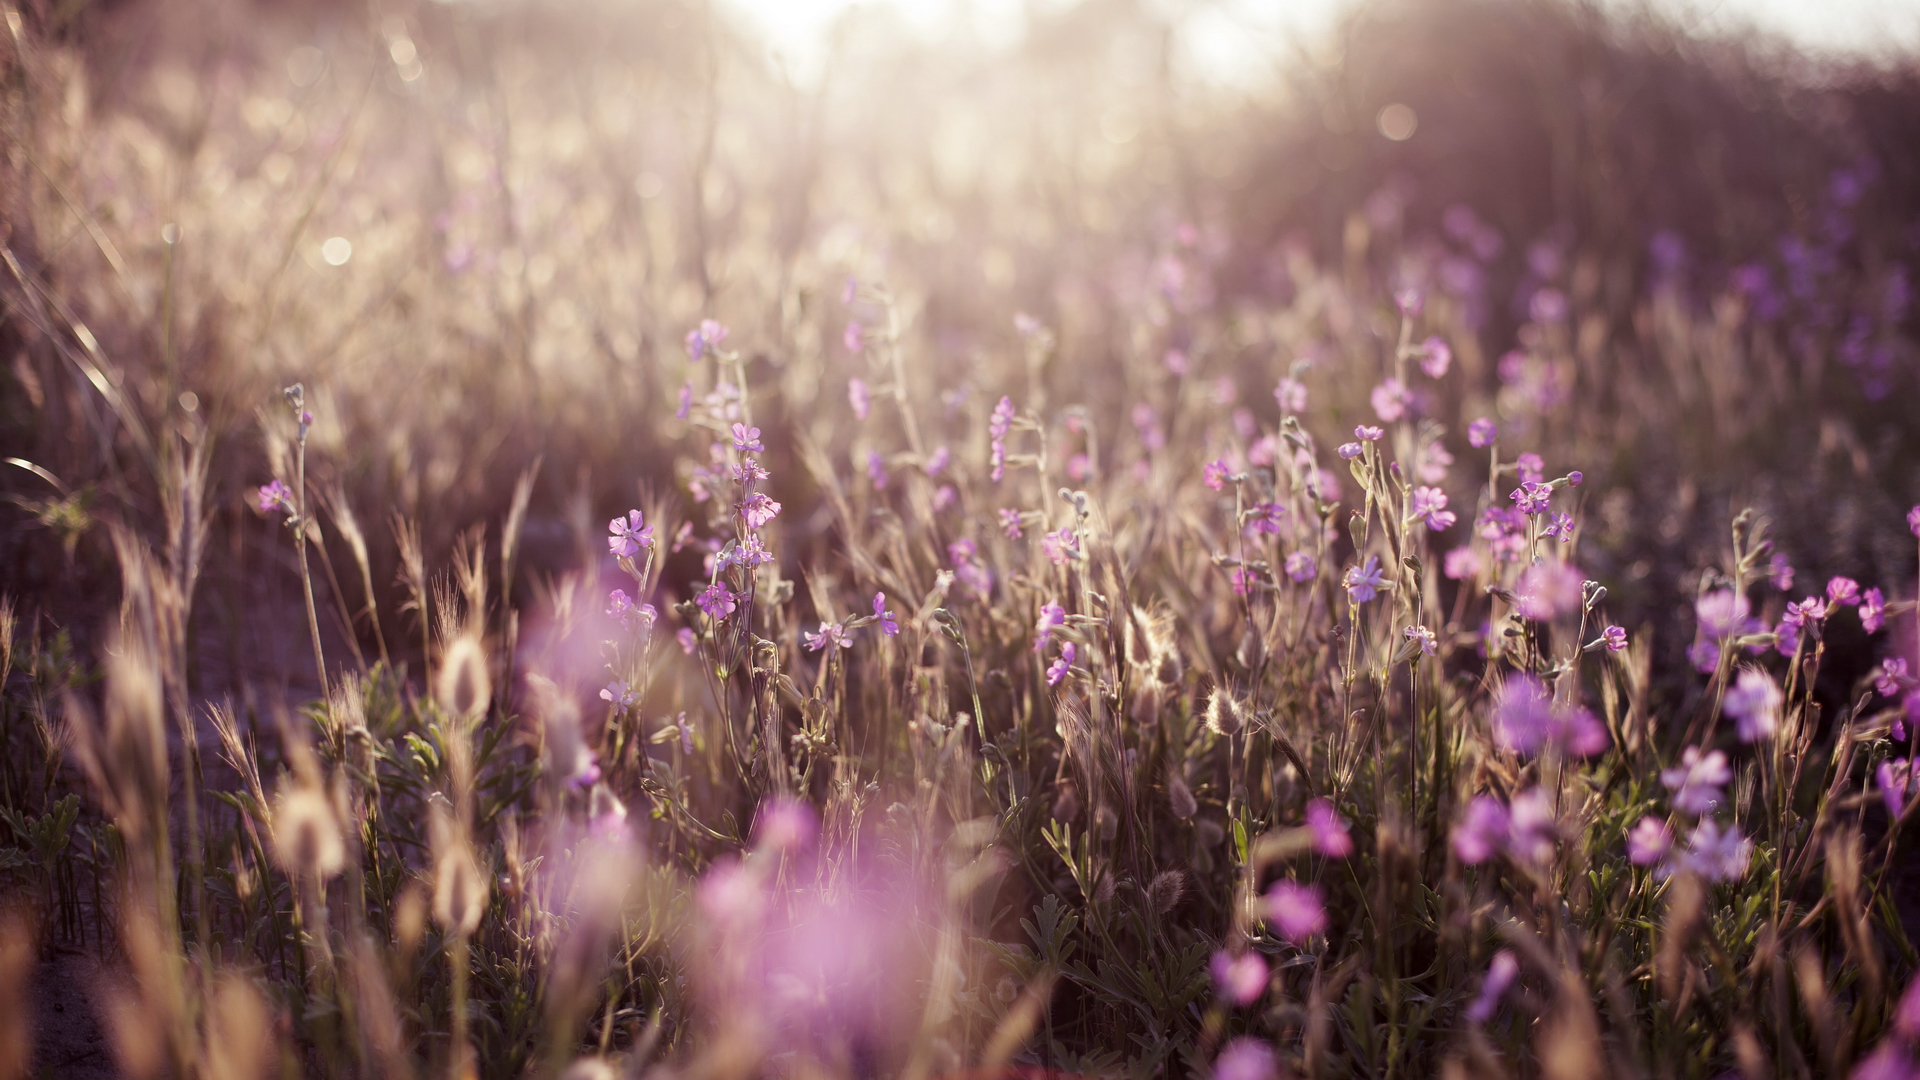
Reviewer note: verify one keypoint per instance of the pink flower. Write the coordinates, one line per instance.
(716, 601)
(1500, 975)
(1913, 520)
(1010, 523)
(1366, 433)
(1531, 497)
(1786, 638)
(758, 509)
(1001, 421)
(275, 496)
(1697, 780)
(1780, 572)
(785, 824)
(1550, 589)
(620, 606)
(1215, 474)
(1266, 518)
(1895, 780)
(686, 639)
(887, 624)
(1532, 834)
(1754, 701)
(1330, 836)
(1430, 504)
(1389, 400)
(1716, 855)
(1721, 612)
(830, 634)
(1241, 979)
(1812, 609)
(1409, 300)
(877, 470)
(1051, 616)
(705, 338)
(1363, 583)
(1481, 831)
(629, 535)
(1842, 590)
(1296, 910)
(1349, 451)
(1435, 357)
(1892, 678)
(1060, 545)
(1057, 670)
(1176, 362)
(1704, 655)
(1291, 395)
(1464, 562)
(1481, 433)
(854, 338)
(937, 464)
(747, 439)
(1615, 637)
(1429, 644)
(686, 401)
(1245, 1059)
(1560, 525)
(619, 694)
(1433, 463)
(1649, 841)
(1532, 470)
(1873, 611)
(1301, 567)
(857, 397)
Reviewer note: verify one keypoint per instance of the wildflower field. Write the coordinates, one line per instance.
(543, 541)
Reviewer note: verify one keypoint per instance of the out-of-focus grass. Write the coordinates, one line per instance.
(406, 789)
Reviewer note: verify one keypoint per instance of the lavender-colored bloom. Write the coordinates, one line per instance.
(1780, 572)
(1389, 400)
(830, 634)
(1409, 300)
(1786, 638)
(686, 401)
(1873, 610)
(747, 439)
(1246, 1059)
(877, 470)
(687, 640)
(1435, 357)
(998, 459)
(1051, 616)
(1266, 518)
(275, 496)
(1301, 567)
(888, 625)
(1481, 433)
(1010, 523)
(1532, 831)
(1892, 677)
(1522, 718)
(1433, 463)
(1349, 451)
(1704, 655)
(1895, 780)
(785, 824)
(1430, 505)
(1649, 841)
(1811, 610)
(1296, 910)
(1721, 612)
(618, 694)
(1697, 780)
(854, 338)
(1615, 637)
(1531, 497)
(1575, 478)
(1368, 433)
(1060, 545)
(1429, 644)
(1531, 468)
(1363, 583)
(1215, 474)
(716, 601)
(705, 338)
(1842, 590)
(1481, 831)
(1913, 520)
(1062, 664)
(759, 509)
(1464, 562)
(1001, 421)
(620, 606)
(630, 534)
(1330, 836)
(1549, 589)
(1240, 979)
(1754, 701)
(1560, 525)
(1716, 855)
(748, 471)
(1291, 394)
(1500, 975)
(858, 397)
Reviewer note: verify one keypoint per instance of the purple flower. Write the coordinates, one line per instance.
(1892, 678)
(1349, 451)
(1812, 609)
(1780, 572)
(1721, 612)
(858, 397)
(1615, 637)
(1464, 562)
(1266, 518)
(1913, 520)
(759, 509)
(1522, 714)
(1291, 395)
(1060, 545)
(1435, 357)
(1649, 841)
(1500, 975)
(275, 496)
(1704, 656)
(854, 338)
(1754, 701)
(998, 460)
(1363, 583)
(830, 634)
(1531, 497)
(1531, 835)
(687, 640)
(1057, 670)
(1366, 433)
(1389, 400)
(621, 606)
(1409, 300)
(1697, 780)
(1786, 638)
(1330, 836)
(1716, 855)
(1481, 433)
(1549, 589)
(1302, 567)
(1481, 831)
(1430, 505)
(618, 693)
(1245, 1059)
(716, 601)
(1429, 644)
(686, 401)
(1433, 463)
(1842, 590)
(630, 534)
(748, 471)
(887, 624)
(747, 439)
(1010, 523)
(1532, 470)
(877, 470)
(1051, 616)
(1215, 474)
(1241, 979)
(705, 338)
(1873, 610)
(1895, 780)
(937, 464)
(1560, 525)
(1296, 910)
(1001, 421)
